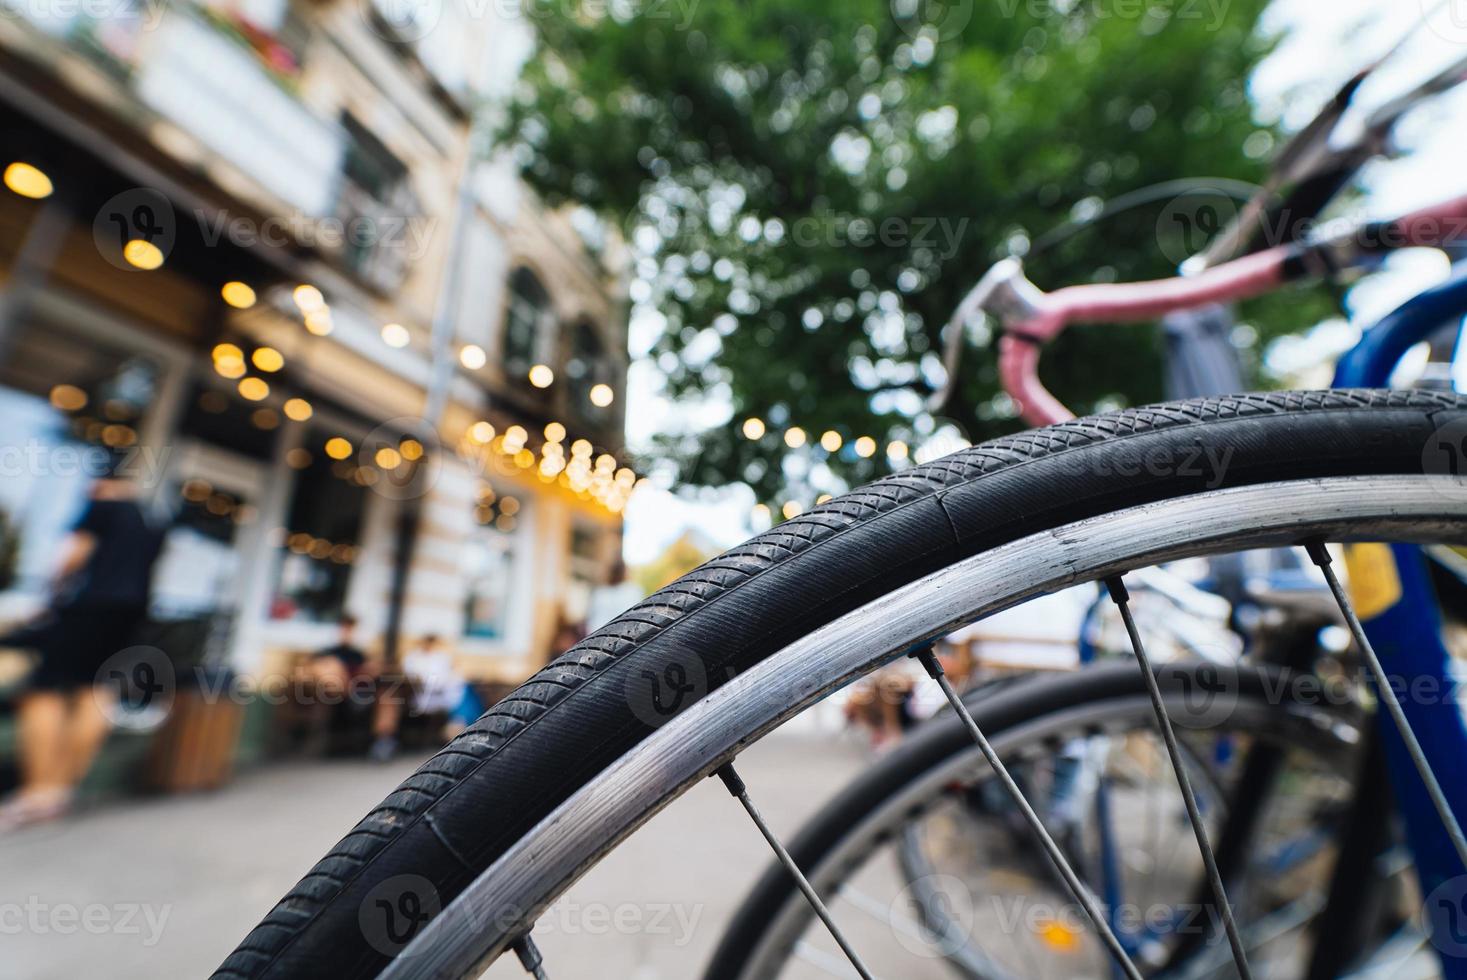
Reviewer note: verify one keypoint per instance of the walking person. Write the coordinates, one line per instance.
(99, 598)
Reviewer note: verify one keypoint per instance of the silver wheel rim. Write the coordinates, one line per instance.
(506, 899)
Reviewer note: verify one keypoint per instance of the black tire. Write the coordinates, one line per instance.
(448, 821)
(1011, 704)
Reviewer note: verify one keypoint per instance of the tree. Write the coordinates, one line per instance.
(810, 187)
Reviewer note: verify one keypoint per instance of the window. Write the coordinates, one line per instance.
(375, 199)
(585, 572)
(491, 563)
(529, 325)
(587, 367)
(322, 536)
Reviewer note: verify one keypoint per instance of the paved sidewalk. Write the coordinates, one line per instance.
(165, 887)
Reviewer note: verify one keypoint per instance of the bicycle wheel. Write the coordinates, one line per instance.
(461, 857)
(974, 893)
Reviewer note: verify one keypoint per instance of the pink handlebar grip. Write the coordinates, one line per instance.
(1018, 356)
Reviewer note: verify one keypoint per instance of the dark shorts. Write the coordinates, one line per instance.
(78, 641)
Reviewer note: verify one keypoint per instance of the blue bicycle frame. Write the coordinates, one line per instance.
(1407, 636)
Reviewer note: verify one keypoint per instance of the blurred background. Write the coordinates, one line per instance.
(401, 342)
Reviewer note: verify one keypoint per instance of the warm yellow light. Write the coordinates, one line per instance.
(524, 459)
(297, 409)
(792, 508)
(481, 432)
(267, 359)
(865, 447)
(338, 448)
(230, 367)
(554, 432)
(411, 449)
(237, 294)
(119, 436)
(68, 398)
(541, 376)
(319, 322)
(1059, 936)
(753, 428)
(255, 389)
(28, 181)
(308, 298)
(606, 463)
(515, 436)
(602, 395)
(395, 335)
(472, 356)
(228, 352)
(823, 498)
(143, 254)
(581, 447)
(897, 450)
(794, 437)
(388, 458)
(830, 440)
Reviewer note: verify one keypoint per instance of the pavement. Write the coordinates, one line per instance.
(166, 886)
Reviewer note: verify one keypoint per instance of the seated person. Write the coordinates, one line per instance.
(335, 667)
(434, 687)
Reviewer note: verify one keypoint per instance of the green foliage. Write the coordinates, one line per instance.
(812, 186)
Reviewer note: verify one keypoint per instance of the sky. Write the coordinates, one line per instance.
(1325, 42)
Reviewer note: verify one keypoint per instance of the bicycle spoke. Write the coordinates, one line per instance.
(740, 792)
(1121, 598)
(1061, 863)
(530, 957)
(1321, 557)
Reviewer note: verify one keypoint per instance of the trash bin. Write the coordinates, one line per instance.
(196, 746)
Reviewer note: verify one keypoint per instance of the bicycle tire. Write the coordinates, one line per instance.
(469, 803)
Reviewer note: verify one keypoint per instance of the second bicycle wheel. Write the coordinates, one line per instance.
(925, 858)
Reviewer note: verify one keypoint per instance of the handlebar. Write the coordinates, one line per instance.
(1032, 318)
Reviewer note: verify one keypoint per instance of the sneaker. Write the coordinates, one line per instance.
(38, 806)
(383, 749)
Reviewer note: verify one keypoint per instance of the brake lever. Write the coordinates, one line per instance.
(1005, 293)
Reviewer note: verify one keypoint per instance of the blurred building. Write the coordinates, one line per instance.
(227, 233)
